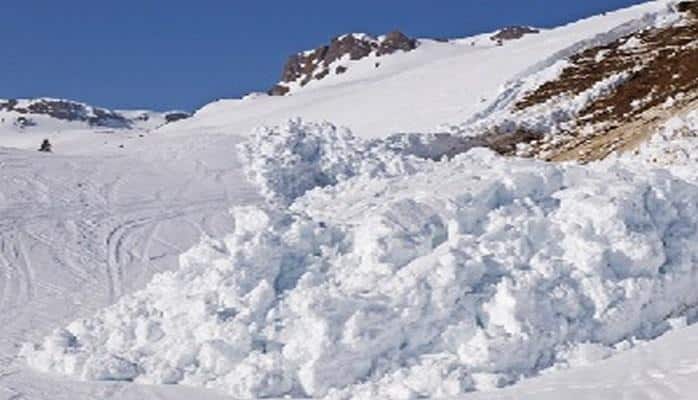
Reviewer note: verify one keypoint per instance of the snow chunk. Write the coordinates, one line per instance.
(287, 161)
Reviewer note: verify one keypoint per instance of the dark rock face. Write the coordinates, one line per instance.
(513, 33)
(69, 111)
(279, 90)
(356, 47)
(175, 116)
(688, 7)
(315, 65)
(395, 41)
(24, 122)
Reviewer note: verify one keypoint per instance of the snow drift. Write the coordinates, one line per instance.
(445, 280)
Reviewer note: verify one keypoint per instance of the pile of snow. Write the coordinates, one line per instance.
(467, 276)
(289, 160)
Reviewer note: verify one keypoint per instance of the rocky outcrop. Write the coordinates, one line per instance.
(24, 122)
(174, 116)
(312, 65)
(24, 113)
(67, 111)
(513, 33)
(689, 7)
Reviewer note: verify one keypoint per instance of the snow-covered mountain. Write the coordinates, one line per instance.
(24, 121)
(317, 64)
(398, 251)
(429, 89)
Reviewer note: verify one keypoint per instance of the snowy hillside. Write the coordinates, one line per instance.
(237, 254)
(24, 122)
(437, 84)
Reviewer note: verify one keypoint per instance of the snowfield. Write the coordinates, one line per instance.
(83, 226)
(213, 258)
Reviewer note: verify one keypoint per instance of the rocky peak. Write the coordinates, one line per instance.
(316, 64)
(513, 33)
(174, 116)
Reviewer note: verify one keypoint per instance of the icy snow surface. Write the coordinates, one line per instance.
(464, 275)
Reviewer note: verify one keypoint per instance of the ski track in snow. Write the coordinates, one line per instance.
(78, 232)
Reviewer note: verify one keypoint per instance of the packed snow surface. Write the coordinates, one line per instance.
(466, 274)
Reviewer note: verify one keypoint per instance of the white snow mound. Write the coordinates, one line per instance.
(467, 276)
(289, 160)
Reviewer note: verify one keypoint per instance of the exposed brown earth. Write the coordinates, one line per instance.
(626, 137)
(662, 66)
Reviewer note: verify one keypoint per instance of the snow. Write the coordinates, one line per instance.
(60, 131)
(553, 117)
(367, 268)
(465, 275)
(438, 84)
(631, 44)
(674, 146)
(92, 221)
(289, 160)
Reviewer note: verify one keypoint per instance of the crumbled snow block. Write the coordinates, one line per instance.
(467, 276)
(289, 160)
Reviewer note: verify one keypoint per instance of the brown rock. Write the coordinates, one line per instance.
(322, 74)
(513, 33)
(395, 41)
(278, 90)
(688, 6)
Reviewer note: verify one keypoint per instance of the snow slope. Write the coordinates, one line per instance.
(81, 227)
(436, 84)
(24, 123)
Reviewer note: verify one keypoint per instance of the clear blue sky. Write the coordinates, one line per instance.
(181, 54)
